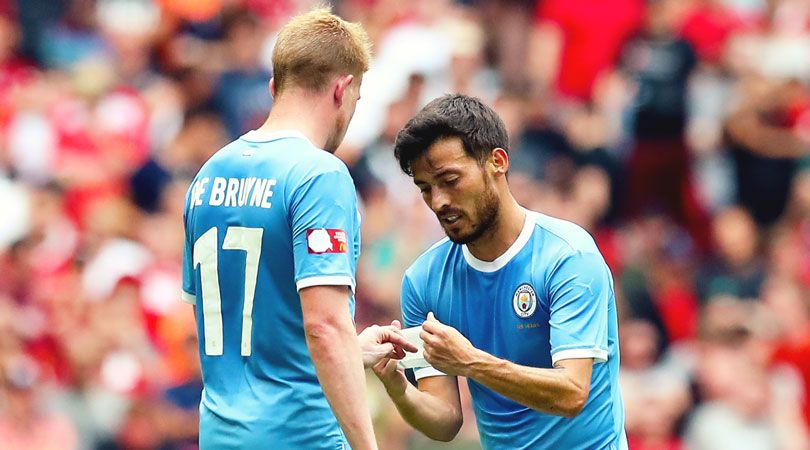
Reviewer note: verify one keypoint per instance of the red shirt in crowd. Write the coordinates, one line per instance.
(594, 32)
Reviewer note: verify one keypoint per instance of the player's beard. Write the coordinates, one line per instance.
(334, 139)
(488, 207)
(338, 133)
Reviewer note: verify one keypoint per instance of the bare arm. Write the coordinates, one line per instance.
(748, 129)
(434, 408)
(561, 391)
(335, 351)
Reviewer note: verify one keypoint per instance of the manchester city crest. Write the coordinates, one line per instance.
(524, 301)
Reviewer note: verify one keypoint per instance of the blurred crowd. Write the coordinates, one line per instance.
(675, 131)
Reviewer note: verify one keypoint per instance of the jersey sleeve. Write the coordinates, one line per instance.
(189, 292)
(323, 213)
(414, 314)
(580, 289)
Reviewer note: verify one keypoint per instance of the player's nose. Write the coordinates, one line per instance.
(438, 200)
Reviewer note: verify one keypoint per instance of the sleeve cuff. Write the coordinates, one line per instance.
(599, 355)
(191, 299)
(427, 372)
(330, 280)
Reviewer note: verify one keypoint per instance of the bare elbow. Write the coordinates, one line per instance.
(573, 404)
(446, 429)
(449, 432)
(321, 330)
(445, 437)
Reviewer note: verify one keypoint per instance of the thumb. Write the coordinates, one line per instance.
(396, 324)
(430, 316)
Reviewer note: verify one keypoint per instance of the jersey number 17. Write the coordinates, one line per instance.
(206, 253)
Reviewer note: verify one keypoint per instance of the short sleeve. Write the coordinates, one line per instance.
(188, 294)
(414, 314)
(413, 310)
(580, 290)
(323, 215)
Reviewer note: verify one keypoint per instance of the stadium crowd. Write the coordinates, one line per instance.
(675, 131)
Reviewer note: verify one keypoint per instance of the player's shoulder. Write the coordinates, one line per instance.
(566, 236)
(221, 157)
(291, 150)
(429, 260)
(304, 157)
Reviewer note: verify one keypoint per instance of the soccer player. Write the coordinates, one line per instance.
(272, 241)
(518, 302)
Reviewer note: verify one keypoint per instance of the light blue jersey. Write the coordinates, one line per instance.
(266, 216)
(548, 297)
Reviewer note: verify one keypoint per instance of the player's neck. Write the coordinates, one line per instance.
(496, 241)
(301, 116)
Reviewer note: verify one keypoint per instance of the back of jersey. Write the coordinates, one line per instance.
(266, 216)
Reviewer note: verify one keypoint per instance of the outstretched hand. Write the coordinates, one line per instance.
(386, 342)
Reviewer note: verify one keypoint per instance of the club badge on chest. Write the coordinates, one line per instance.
(524, 302)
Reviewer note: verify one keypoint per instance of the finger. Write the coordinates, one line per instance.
(395, 337)
(399, 353)
(380, 366)
(396, 353)
(385, 349)
(396, 324)
(431, 340)
(431, 326)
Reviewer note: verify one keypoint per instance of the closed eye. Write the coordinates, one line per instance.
(450, 181)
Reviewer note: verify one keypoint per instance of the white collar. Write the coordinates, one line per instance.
(514, 249)
(265, 136)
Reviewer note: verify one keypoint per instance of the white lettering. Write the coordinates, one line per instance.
(217, 192)
(268, 192)
(200, 190)
(235, 192)
(230, 194)
(244, 190)
(258, 190)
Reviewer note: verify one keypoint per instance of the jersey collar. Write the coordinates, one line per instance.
(264, 136)
(514, 249)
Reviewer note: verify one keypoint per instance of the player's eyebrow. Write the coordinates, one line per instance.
(441, 172)
(447, 171)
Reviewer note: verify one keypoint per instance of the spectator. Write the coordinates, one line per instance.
(659, 167)
(242, 92)
(24, 425)
(736, 271)
(576, 42)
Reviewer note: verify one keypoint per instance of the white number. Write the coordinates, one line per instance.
(248, 240)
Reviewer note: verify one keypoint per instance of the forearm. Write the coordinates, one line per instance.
(747, 129)
(336, 354)
(551, 391)
(431, 415)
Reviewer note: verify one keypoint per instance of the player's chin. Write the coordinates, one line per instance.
(457, 234)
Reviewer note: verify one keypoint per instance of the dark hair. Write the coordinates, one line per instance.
(452, 115)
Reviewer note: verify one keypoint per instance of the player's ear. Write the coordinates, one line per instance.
(273, 87)
(341, 86)
(499, 160)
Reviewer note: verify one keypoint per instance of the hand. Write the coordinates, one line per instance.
(446, 349)
(386, 342)
(392, 377)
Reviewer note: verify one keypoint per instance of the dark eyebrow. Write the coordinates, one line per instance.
(447, 171)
